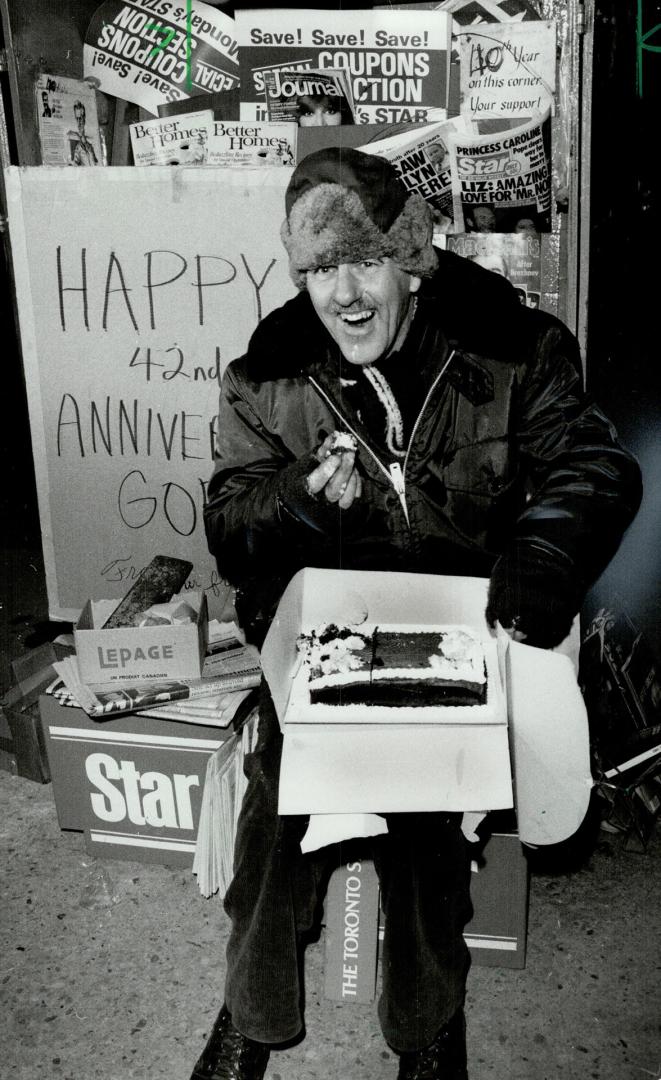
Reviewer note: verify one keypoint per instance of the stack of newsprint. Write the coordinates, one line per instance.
(459, 96)
(224, 788)
(156, 653)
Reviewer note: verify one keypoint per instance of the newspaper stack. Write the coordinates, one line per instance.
(224, 789)
(231, 668)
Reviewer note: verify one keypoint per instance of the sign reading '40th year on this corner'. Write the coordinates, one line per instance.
(152, 52)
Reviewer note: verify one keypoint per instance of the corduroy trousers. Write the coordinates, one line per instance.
(423, 864)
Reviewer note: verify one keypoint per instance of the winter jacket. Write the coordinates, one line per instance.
(507, 450)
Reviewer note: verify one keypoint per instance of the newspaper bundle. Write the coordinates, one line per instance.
(422, 159)
(152, 52)
(68, 122)
(224, 788)
(230, 670)
(502, 181)
(309, 98)
(397, 61)
(516, 256)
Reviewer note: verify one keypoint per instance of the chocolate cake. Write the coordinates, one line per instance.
(394, 666)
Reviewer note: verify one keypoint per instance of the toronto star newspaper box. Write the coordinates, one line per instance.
(444, 759)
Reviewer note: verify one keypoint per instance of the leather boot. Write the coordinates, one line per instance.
(443, 1059)
(229, 1055)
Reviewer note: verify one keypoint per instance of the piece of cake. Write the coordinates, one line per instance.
(394, 666)
(341, 442)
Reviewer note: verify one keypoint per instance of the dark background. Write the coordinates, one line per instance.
(623, 354)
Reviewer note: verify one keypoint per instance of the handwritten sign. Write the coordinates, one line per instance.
(135, 289)
(507, 71)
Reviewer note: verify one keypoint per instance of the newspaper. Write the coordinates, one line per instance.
(507, 72)
(422, 159)
(258, 143)
(309, 98)
(397, 61)
(237, 670)
(68, 122)
(517, 256)
(224, 787)
(177, 140)
(155, 51)
(502, 182)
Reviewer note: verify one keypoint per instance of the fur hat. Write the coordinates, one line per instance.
(345, 206)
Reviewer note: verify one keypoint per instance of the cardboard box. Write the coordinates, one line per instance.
(352, 923)
(400, 766)
(133, 784)
(496, 935)
(139, 653)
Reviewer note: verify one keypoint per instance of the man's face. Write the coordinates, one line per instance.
(363, 306)
(80, 120)
(484, 218)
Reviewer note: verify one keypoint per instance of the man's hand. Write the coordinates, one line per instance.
(336, 476)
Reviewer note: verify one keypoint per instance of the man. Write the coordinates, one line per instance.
(84, 153)
(477, 454)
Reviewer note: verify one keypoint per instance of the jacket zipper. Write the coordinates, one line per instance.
(395, 474)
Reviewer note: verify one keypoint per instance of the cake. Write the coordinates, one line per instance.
(394, 666)
(341, 442)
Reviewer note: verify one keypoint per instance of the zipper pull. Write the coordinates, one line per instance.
(397, 478)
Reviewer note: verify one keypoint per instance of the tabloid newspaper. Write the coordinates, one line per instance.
(178, 140)
(507, 71)
(517, 256)
(151, 52)
(502, 181)
(422, 159)
(68, 123)
(309, 98)
(398, 61)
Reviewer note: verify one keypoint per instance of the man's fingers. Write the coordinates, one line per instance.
(336, 486)
(350, 493)
(320, 476)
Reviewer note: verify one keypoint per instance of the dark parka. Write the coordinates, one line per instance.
(507, 451)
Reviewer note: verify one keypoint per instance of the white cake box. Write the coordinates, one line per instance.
(399, 760)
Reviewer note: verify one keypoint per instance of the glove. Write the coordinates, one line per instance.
(536, 593)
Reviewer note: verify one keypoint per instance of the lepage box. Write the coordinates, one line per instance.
(421, 760)
(139, 653)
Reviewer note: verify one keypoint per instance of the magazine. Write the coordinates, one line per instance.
(422, 159)
(68, 122)
(397, 61)
(501, 182)
(309, 98)
(177, 140)
(258, 143)
(152, 53)
(507, 71)
(516, 256)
